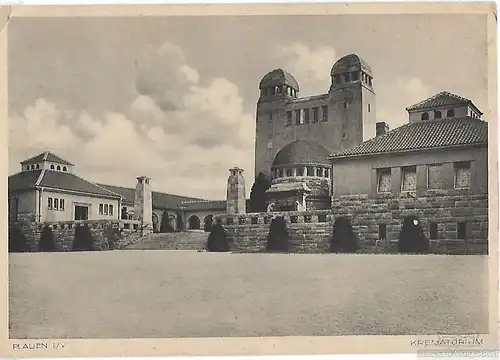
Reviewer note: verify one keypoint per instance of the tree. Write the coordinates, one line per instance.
(343, 239)
(258, 193)
(83, 240)
(46, 243)
(277, 238)
(17, 240)
(412, 238)
(217, 239)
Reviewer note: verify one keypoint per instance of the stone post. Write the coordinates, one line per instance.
(236, 193)
(143, 204)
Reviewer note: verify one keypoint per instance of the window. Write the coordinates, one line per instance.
(64, 168)
(369, 108)
(49, 205)
(52, 167)
(327, 173)
(300, 172)
(433, 176)
(461, 231)
(288, 118)
(370, 81)
(37, 166)
(298, 118)
(56, 204)
(346, 77)
(450, 113)
(101, 209)
(310, 171)
(346, 105)
(425, 116)
(324, 113)
(319, 171)
(382, 231)
(315, 114)
(384, 180)
(433, 231)
(61, 204)
(462, 175)
(289, 172)
(306, 116)
(437, 114)
(105, 209)
(58, 168)
(409, 180)
(355, 76)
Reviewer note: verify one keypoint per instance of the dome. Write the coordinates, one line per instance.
(302, 152)
(278, 77)
(350, 62)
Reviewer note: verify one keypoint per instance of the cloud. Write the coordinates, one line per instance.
(184, 135)
(310, 67)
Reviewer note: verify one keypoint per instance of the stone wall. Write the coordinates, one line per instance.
(310, 231)
(63, 232)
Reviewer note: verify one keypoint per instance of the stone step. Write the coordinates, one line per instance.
(191, 240)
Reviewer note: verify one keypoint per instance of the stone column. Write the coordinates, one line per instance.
(236, 193)
(143, 204)
(294, 172)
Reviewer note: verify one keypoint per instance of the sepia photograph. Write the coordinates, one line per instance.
(250, 176)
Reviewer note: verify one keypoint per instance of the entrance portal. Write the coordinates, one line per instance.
(81, 212)
(194, 222)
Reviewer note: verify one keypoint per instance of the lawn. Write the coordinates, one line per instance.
(123, 294)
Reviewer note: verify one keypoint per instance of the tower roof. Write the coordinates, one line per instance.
(302, 152)
(46, 156)
(444, 98)
(278, 77)
(350, 62)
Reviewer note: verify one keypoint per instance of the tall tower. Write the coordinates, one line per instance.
(236, 193)
(352, 101)
(277, 88)
(143, 203)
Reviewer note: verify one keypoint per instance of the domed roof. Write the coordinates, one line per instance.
(349, 63)
(302, 152)
(278, 77)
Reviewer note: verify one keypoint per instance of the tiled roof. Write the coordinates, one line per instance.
(443, 98)
(23, 180)
(48, 156)
(204, 205)
(160, 200)
(301, 152)
(423, 135)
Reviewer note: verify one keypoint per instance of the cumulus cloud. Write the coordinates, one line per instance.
(310, 67)
(184, 135)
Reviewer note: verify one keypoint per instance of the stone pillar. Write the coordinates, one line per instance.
(143, 204)
(236, 193)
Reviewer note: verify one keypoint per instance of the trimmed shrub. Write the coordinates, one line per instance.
(343, 239)
(17, 240)
(412, 238)
(217, 239)
(165, 224)
(83, 240)
(46, 243)
(277, 238)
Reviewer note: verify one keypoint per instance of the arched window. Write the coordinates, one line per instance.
(58, 168)
(52, 167)
(437, 114)
(64, 168)
(425, 116)
(37, 166)
(32, 167)
(450, 113)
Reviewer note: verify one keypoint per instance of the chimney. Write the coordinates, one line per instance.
(381, 128)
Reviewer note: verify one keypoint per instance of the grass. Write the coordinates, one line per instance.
(124, 294)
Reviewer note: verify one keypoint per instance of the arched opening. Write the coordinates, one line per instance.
(412, 238)
(166, 225)
(64, 168)
(194, 222)
(425, 116)
(450, 113)
(343, 239)
(58, 168)
(52, 167)
(208, 222)
(37, 166)
(155, 223)
(437, 114)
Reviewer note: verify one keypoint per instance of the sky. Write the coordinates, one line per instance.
(174, 98)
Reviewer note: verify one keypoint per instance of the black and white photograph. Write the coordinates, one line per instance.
(251, 176)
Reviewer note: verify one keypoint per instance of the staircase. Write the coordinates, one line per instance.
(190, 240)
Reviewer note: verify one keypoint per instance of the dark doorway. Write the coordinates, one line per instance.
(194, 222)
(208, 223)
(81, 212)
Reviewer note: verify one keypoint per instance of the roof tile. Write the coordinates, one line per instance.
(443, 98)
